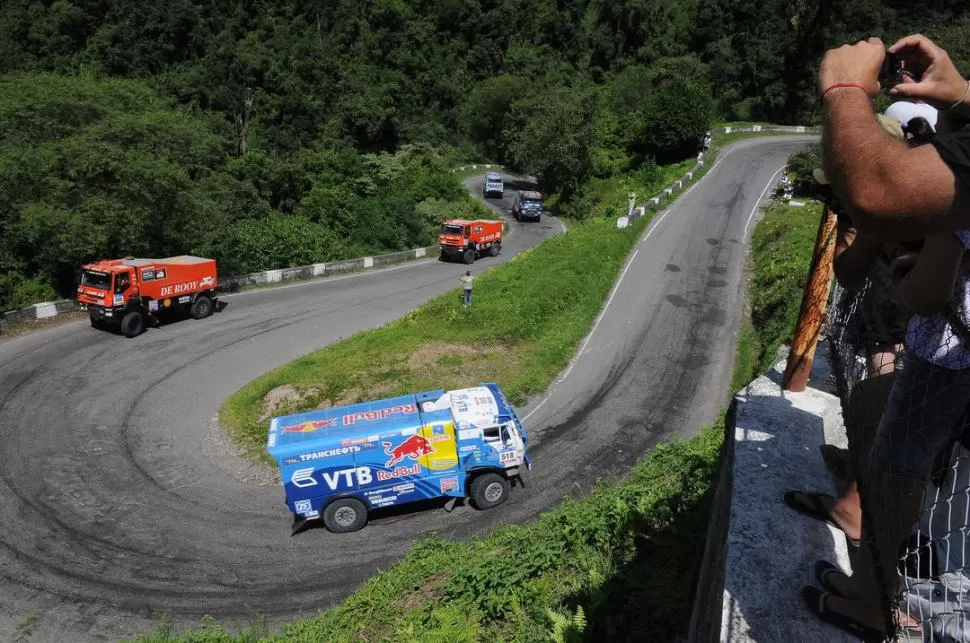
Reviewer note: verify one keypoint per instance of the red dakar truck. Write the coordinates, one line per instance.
(468, 239)
(129, 293)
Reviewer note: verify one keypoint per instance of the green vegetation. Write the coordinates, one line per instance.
(783, 244)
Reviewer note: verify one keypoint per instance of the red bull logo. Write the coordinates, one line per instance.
(308, 427)
(414, 447)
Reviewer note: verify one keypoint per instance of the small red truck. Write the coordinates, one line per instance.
(131, 293)
(468, 239)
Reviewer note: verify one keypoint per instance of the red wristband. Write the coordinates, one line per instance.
(846, 85)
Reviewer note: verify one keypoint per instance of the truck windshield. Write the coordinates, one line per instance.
(451, 229)
(99, 280)
(531, 204)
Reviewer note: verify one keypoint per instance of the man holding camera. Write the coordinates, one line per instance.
(902, 193)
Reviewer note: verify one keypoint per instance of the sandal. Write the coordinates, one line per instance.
(813, 507)
(836, 461)
(816, 599)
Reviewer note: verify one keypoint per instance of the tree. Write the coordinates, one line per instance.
(679, 114)
(554, 137)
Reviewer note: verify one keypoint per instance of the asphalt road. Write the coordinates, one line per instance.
(121, 502)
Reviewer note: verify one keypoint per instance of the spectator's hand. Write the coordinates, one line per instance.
(937, 80)
(859, 63)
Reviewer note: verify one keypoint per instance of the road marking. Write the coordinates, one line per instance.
(656, 225)
(541, 404)
(744, 236)
(599, 318)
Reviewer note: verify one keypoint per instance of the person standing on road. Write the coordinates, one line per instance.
(466, 279)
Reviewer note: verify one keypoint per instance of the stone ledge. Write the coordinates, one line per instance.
(759, 553)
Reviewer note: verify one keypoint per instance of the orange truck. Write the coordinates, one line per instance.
(469, 239)
(131, 293)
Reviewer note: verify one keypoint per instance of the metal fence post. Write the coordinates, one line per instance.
(812, 312)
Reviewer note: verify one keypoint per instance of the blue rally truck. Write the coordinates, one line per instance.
(339, 463)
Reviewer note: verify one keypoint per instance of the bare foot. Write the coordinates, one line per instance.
(848, 515)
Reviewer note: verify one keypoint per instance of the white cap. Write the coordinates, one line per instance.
(903, 111)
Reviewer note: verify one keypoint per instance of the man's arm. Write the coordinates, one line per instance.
(889, 188)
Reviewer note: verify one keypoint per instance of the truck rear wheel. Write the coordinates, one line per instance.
(345, 515)
(469, 256)
(201, 307)
(489, 490)
(133, 324)
(494, 250)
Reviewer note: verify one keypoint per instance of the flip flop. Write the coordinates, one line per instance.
(814, 508)
(836, 461)
(816, 599)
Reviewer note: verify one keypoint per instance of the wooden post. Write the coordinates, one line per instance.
(814, 301)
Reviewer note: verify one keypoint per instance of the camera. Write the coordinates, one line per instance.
(892, 69)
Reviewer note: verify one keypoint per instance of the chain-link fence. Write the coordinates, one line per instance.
(904, 383)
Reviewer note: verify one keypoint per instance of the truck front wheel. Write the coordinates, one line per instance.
(345, 515)
(133, 324)
(489, 490)
(469, 256)
(201, 307)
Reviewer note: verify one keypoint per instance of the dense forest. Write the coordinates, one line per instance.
(277, 133)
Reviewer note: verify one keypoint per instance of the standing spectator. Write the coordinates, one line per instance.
(901, 192)
(466, 279)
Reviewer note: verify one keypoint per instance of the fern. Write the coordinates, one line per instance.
(567, 628)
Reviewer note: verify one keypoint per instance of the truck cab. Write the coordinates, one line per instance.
(527, 205)
(339, 464)
(493, 185)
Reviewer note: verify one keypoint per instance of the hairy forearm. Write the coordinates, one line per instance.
(859, 155)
